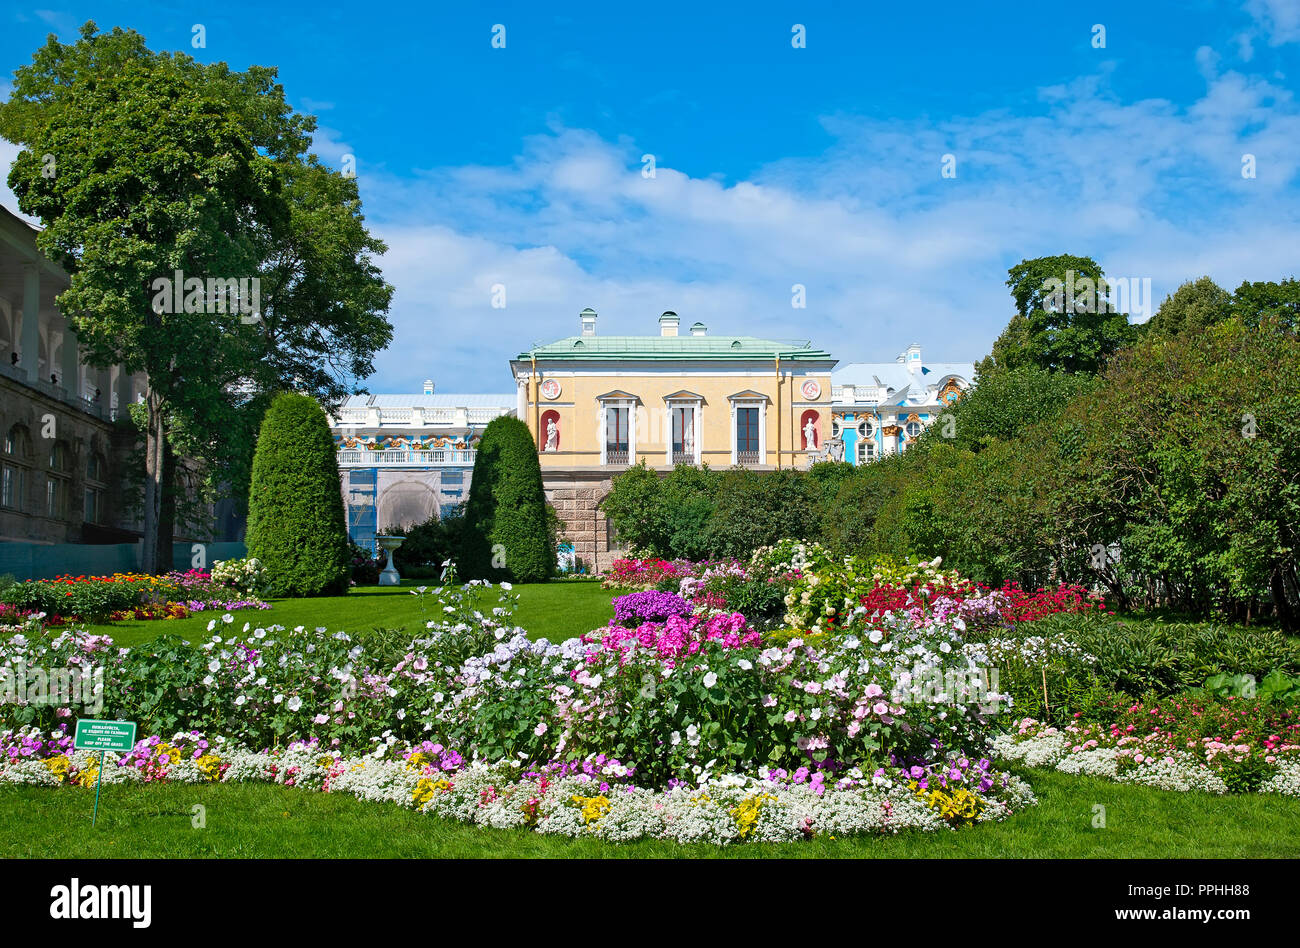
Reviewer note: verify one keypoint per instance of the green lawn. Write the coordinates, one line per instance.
(269, 821)
(556, 610)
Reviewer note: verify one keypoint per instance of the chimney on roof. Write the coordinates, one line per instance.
(428, 386)
(668, 323)
(588, 317)
(699, 329)
(913, 357)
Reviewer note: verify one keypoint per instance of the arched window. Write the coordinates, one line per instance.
(14, 470)
(57, 482)
(864, 428)
(836, 425)
(96, 484)
(913, 429)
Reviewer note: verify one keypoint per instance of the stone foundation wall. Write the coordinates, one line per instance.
(576, 496)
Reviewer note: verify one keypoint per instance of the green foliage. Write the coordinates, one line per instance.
(296, 524)
(1194, 306)
(1139, 656)
(753, 509)
(432, 543)
(1054, 329)
(218, 184)
(508, 532)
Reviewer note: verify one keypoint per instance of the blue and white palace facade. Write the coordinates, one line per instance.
(405, 459)
(878, 408)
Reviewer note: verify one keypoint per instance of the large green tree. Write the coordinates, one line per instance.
(1063, 322)
(1194, 306)
(164, 164)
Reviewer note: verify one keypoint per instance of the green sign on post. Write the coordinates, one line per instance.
(103, 736)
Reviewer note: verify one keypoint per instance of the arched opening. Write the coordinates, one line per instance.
(809, 430)
(550, 430)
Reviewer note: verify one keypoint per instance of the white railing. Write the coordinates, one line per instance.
(353, 458)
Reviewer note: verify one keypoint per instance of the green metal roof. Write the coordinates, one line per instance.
(674, 348)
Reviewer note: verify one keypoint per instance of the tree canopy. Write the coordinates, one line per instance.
(206, 245)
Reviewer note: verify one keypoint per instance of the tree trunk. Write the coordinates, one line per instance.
(155, 439)
(167, 509)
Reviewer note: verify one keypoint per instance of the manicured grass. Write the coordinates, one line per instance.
(557, 611)
(269, 821)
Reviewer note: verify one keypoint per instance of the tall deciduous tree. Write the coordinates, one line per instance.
(1194, 306)
(1063, 322)
(171, 170)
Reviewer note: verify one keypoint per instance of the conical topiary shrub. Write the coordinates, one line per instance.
(296, 524)
(506, 526)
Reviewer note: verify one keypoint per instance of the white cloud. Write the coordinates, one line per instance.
(1280, 19)
(890, 252)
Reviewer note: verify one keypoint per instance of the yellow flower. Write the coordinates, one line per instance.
(958, 805)
(746, 812)
(593, 808)
(60, 766)
(210, 766)
(426, 787)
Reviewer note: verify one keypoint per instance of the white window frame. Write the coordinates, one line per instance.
(630, 405)
(761, 405)
(697, 407)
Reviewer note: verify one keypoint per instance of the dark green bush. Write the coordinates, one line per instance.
(365, 565)
(296, 524)
(753, 509)
(508, 532)
(430, 544)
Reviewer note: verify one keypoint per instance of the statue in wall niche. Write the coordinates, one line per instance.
(810, 436)
(552, 435)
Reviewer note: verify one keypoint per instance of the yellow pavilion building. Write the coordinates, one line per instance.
(597, 404)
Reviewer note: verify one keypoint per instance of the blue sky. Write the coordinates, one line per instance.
(774, 166)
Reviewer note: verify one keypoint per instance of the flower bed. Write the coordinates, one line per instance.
(643, 573)
(1237, 745)
(688, 698)
(594, 798)
(98, 599)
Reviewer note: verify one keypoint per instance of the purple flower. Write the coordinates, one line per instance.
(649, 606)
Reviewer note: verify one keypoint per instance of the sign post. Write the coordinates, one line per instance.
(103, 736)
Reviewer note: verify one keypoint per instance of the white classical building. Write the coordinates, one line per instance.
(405, 459)
(881, 407)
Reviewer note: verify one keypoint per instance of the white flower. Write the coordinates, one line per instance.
(540, 729)
(295, 703)
(507, 587)
(710, 680)
(745, 664)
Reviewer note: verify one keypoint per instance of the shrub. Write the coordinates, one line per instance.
(365, 566)
(508, 532)
(296, 524)
(246, 575)
(430, 544)
(1136, 656)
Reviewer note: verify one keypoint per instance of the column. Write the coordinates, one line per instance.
(30, 354)
(122, 385)
(69, 375)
